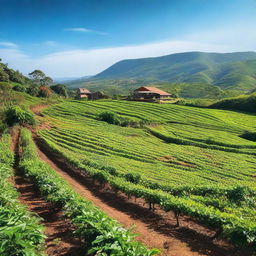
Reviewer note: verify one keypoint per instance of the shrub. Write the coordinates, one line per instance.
(113, 118)
(16, 115)
(60, 89)
(133, 177)
(44, 92)
(242, 103)
(249, 136)
(33, 90)
(19, 88)
(110, 118)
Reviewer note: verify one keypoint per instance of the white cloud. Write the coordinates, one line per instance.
(81, 62)
(235, 35)
(8, 44)
(85, 30)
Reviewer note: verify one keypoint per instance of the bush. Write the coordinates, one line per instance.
(133, 177)
(242, 103)
(16, 115)
(249, 136)
(33, 90)
(110, 118)
(19, 88)
(44, 92)
(60, 89)
(113, 118)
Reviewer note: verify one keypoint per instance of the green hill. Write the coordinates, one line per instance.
(233, 71)
(242, 103)
(9, 75)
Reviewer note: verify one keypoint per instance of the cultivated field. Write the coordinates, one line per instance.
(188, 160)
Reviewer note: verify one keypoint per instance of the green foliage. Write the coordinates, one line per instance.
(195, 102)
(114, 118)
(206, 170)
(203, 74)
(7, 96)
(20, 232)
(110, 118)
(33, 90)
(9, 75)
(249, 135)
(37, 76)
(243, 103)
(60, 89)
(17, 115)
(44, 91)
(241, 232)
(103, 235)
(19, 88)
(133, 177)
(4, 77)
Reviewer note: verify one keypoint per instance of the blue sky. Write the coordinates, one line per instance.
(79, 37)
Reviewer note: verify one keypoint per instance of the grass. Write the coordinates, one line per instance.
(201, 171)
(20, 231)
(138, 151)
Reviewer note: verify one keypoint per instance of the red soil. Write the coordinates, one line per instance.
(156, 229)
(58, 229)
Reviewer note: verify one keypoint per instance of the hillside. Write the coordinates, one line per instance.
(9, 75)
(195, 162)
(242, 103)
(236, 71)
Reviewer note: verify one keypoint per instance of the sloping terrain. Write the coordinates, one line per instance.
(226, 70)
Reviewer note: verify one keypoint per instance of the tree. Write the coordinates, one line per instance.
(37, 76)
(4, 77)
(15, 76)
(33, 90)
(60, 89)
(7, 97)
(19, 88)
(17, 115)
(47, 81)
(44, 92)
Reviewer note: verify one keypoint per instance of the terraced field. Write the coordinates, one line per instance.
(188, 160)
(211, 133)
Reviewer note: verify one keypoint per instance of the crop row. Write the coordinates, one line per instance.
(20, 231)
(202, 144)
(241, 232)
(176, 190)
(199, 168)
(103, 235)
(154, 112)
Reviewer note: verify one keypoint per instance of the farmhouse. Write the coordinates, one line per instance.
(98, 96)
(83, 93)
(151, 94)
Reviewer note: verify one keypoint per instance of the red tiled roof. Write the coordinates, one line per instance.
(145, 89)
(83, 90)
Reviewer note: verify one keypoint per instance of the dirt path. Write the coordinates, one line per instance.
(156, 229)
(37, 109)
(58, 229)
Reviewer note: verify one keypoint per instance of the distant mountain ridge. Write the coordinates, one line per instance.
(236, 71)
(191, 67)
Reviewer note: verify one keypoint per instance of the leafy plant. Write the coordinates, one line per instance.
(17, 115)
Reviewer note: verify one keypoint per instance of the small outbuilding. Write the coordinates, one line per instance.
(152, 94)
(83, 93)
(98, 96)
